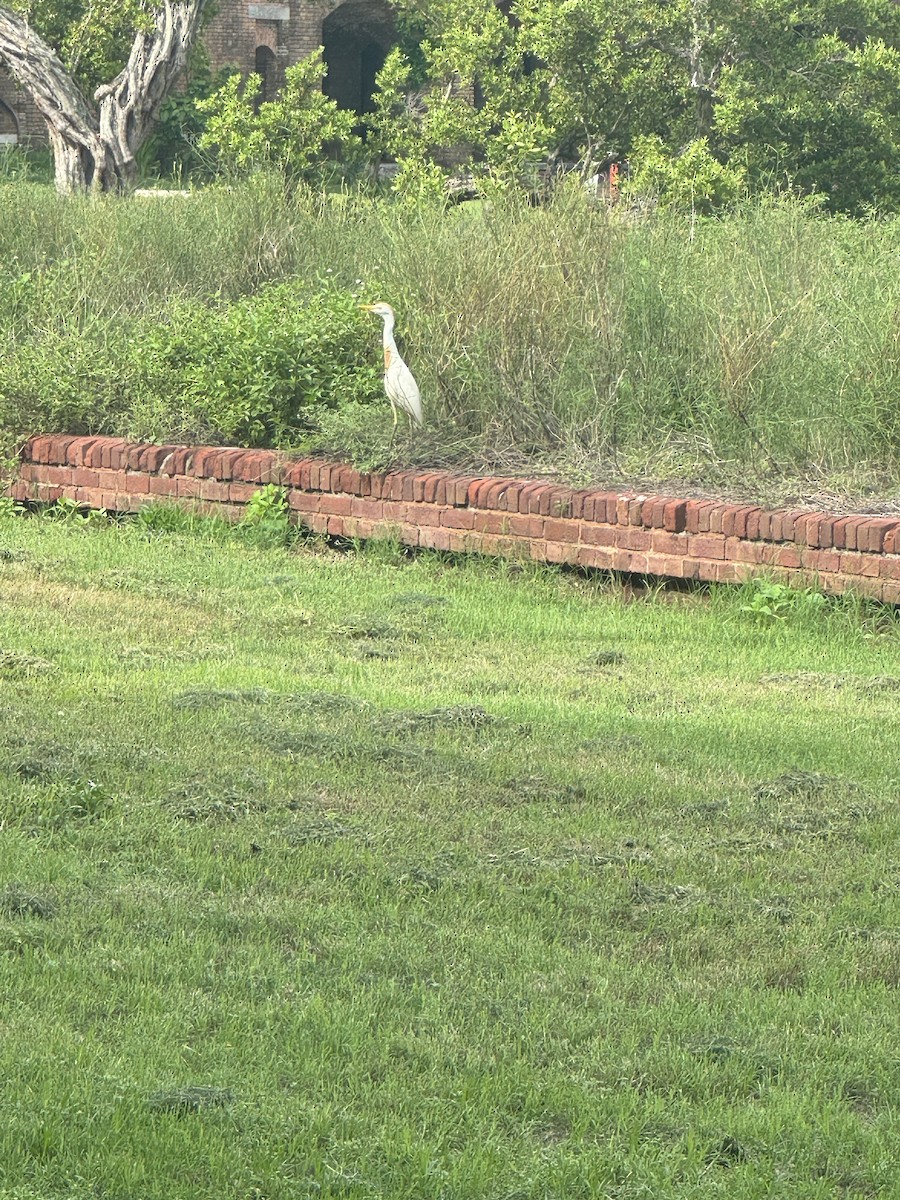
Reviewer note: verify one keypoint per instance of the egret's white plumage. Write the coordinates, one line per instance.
(399, 382)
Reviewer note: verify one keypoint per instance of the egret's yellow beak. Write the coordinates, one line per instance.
(367, 307)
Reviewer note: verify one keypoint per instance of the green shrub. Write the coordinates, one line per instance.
(254, 372)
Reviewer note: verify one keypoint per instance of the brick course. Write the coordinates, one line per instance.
(513, 518)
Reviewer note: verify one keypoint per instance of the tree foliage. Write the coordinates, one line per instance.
(290, 133)
(732, 93)
(136, 50)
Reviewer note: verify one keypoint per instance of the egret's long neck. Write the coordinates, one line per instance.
(388, 336)
(390, 346)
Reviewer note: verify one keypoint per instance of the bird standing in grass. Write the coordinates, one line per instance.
(399, 382)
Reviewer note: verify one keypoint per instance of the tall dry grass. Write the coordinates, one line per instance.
(765, 343)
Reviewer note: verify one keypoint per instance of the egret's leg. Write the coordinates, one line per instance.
(394, 431)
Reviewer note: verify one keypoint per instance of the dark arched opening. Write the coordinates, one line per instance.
(9, 125)
(264, 66)
(356, 38)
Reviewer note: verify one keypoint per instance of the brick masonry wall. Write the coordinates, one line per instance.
(517, 518)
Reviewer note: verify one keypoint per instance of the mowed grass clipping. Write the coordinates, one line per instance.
(353, 875)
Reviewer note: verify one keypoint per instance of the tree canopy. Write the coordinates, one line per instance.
(753, 93)
(98, 72)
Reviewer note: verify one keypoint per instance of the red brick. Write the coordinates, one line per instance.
(672, 565)
(889, 566)
(892, 540)
(161, 485)
(558, 552)
(111, 454)
(151, 458)
(430, 514)
(623, 502)
(859, 564)
(457, 519)
(37, 449)
(458, 490)
(87, 497)
(521, 526)
(601, 557)
(789, 518)
(429, 487)
(59, 447)
(871, 535)
(750, 552)
(698, 514)
(508, 501)
(675, 516)
(187, 487)
(715, 518)
(238, 492)
(732, 572)
(550, 502)
(325, 477)
(703, 545)
(394, 510)
(807, 529)
(78, 450)
(634, 539)
(653, 514)
(787, 556)
(531, 497)
(561, 530)
(292, 476)
(764, 528)
(372, 510)
(576, 504)
(827, 560)
(304, 502)
(408, 492)
(743, 519)
(732, 515)
(668, 543)
(495, 495)
(82, 477)
(599, 535)
(485, 522)
(434, 539)
(636, 511)
(112, 481)
(890, 592)
(136, 481)
(337, 504)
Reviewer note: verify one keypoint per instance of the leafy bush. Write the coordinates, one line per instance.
(290, 133)
(255, 372)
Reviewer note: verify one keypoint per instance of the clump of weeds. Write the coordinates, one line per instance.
(193, 1099)
(17, 664)
(19, 901)
(212, 800)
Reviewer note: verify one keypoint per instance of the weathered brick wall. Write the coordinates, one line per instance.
(292, 30)
(29, 123)
(517, 518)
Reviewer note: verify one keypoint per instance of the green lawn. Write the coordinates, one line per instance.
(350, 875)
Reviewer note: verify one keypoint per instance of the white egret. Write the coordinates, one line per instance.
(399, 382)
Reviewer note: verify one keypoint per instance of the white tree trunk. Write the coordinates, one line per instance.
(94, 148)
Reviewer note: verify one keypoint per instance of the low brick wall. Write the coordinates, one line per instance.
(619, 531)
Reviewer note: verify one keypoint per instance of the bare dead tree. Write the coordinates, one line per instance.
(95, 144)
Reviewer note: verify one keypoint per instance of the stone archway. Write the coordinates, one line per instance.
(265, 66)
(9, 125)
(356, 37)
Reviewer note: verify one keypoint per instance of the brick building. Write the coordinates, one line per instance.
(266, 38)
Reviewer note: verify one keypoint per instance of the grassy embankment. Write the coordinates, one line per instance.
(338, 876)
(759, 352)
